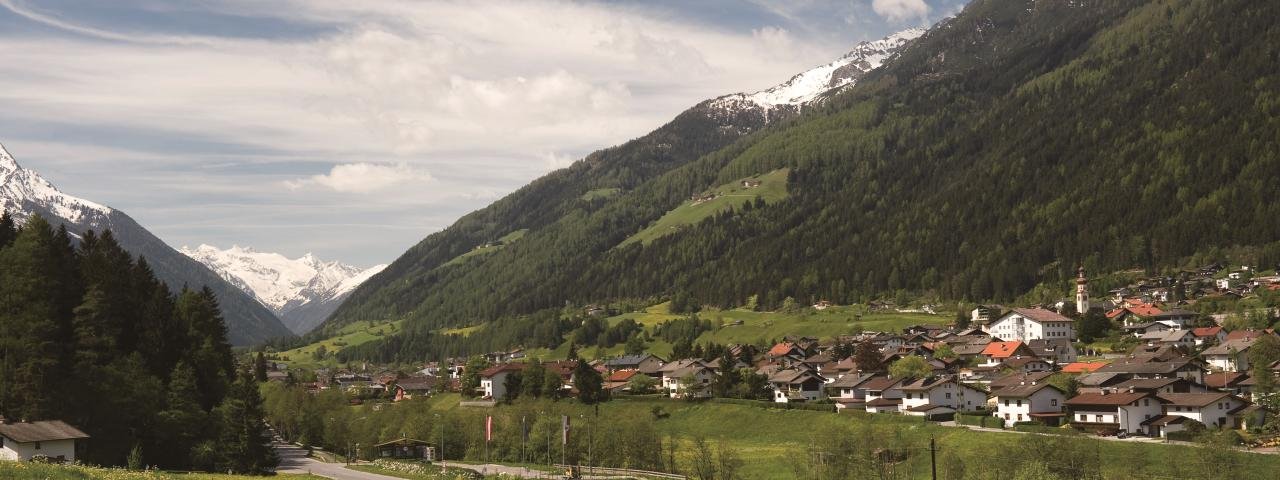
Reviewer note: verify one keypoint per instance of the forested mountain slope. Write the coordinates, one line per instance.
(997, 151)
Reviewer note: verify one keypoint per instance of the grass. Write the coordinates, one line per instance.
(463, 331)
(426, 472)
(729, 196)
(37, 471)
(600, 193)
(349, 335)
(489, 248)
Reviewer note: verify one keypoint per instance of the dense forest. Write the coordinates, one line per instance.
(91, 337)
(1005, 146)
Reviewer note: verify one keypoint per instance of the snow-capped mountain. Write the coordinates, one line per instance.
(302, 291)
(819, 82)
(24, 193)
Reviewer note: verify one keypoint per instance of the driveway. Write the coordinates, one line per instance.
(294, 460)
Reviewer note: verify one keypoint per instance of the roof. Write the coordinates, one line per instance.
(1223, 379)
(1001, 349)
(927, 407)
(627, 360)
(884, 402)
(1082, 367)
(505, 367)
(1110, 399)
(1022, 361)
(1192, 399)
(402, 441)
(1041, 315)
(1225, 348)
(851, 380)
(1206, 331)
(44, 431)
(793, 376)
(782, 348)
(1146, 367)
(1239, 334)
(1147, 383)
(880, 383)
(1166, 420)
(968, 349)
(1018, 378)
(927, 383)
(621, 376)
(1024, 391)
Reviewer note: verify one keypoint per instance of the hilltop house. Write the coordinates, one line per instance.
(52, 439)
(1025, 324)
(1031, 401)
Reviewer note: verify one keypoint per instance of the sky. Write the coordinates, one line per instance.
(353, 129)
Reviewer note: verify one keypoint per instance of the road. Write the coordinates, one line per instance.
(294, 460)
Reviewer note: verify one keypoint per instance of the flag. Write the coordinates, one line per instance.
(524, 428)
(564, 423)
(488, 428)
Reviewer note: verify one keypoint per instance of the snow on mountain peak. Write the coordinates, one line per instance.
(21, 189)
(811, 85)
(275, 280)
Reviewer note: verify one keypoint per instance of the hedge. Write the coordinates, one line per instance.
(979, 420)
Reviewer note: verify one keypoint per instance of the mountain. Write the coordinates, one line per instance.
(983, 160)
(302, 292)
(24, 192)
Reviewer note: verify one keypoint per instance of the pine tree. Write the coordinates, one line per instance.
(246, 447)
(260, 368)
(181, 420)
(30, 343)
(8, 229)
(209, 354)
(589, 383)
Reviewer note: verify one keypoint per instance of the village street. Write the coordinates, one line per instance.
(294, 460)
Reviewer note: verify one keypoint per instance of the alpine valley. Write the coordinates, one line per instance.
(24, 193)
(977, 160)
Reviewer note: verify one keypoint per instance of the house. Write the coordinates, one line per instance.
(1236, 383)
(51, 439)
(1114, 411)
(1230, 356)
(1209, 335)
(1027, 364)
(1032, 401)
(1017, 378)
(1177, 318)
(796, 386)
(1158, 385)
(619, 380)
(1140, 329)
(408, 388)
(847, 391)
(405, 448)
(997, 352)
(1025, 324)
(984, 314)
(940, 395)
(1183, 338)
(1216, 409)
(1082, 367)
(1056, 350)
(883, 394)
(494, 379)
(1180, 367)
(687, 378)
(787, 349)
(642, 362)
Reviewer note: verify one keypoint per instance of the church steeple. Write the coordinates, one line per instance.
(1082, 292)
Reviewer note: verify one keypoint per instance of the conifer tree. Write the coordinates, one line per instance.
(246, 447)
(8, 229)
(30, 347)
(260, 368)
(589, 383)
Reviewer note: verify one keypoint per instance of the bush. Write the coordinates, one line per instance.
(817, 407)
(979, 420)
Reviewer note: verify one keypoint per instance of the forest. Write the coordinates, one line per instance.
(89, 336)
(1005, 147)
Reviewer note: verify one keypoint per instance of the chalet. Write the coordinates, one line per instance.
(883, 394)
(967, 351)
(997, 352)
(1057, 350)
(1177, 318)
(1098, 382)
(1024, 324)
(822, 305)
(1209, 335)
(1082, 367)
(1108, 411)
(1216, 409)
(1183, 338)
(411, 387)
(1235, 383)
(643, 362)
(620, 379)
(935, 396)
(1027, 364)
(984, 314)
(1184, 368)
(787, 350)
(493, 380)
(847, 391)
(51, 439)
(1016, 379)
(406, 448)
(751, 183)
(1158, 385)
(1145, 328)
(1230, 356)
(1033, 401)
(796, 386)
(687, 378)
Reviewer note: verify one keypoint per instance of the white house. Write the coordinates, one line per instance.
(1059, 351)
(883, 394)
(1025, 324)
(687, 378)
(494, 379)
(1231, 355)
(935, 395)
(52, 439)
(1121, 411)
(1211, 409)
(1033, 401)
(796, 385)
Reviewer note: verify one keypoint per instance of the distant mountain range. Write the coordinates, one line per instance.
(24, 192)
(302, 291)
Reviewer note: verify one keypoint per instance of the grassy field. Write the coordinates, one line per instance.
(729, 196)
(350, 335)
(35, 471)
(601, 193)
(487, 249)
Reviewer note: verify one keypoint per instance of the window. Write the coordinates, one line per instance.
(948, 395)
(1006, 402)
(1098, 418)
(1019, 417)
(1019, 402)
(1083, 417)
(1053, 402)
(37, 445)
(1006, 416)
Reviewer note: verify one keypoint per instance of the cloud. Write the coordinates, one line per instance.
(899, 10)
(363, 178)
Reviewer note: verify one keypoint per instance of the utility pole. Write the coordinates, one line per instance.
(933, 457)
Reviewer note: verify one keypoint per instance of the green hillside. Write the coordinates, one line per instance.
(1005, 146)
(489, 247)
(724, 198)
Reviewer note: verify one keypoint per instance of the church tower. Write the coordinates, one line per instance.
(1082, 292)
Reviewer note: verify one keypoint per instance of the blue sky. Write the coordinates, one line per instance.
(354, 129)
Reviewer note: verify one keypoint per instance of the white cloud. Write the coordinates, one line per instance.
(363, 178)
(899, 10)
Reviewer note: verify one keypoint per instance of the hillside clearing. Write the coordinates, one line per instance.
(772, 188)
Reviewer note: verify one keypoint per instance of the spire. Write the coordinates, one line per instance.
(1082, 292)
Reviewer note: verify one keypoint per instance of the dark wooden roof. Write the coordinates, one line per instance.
(45, 431)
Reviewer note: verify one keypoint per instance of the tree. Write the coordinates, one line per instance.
(704, 465)
(868, 357)
(589, 383)
(728, 462)
(641, 384)
(551, 384)
(635, 345)
(245, 446)
(573, 352)
(535, 372)
(471, 376)
(944, 351)
(1093, 324)
(30, 315)
(260, 368)
(8, 229)
(514, 385)
(181, 420)
(911, 367)
(1262, 354)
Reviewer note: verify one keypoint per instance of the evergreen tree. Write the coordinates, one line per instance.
(589, 383)
(868, 357)
(535, 373)
(210, 354)
(245, 445)
(182, 419)
(8, 229)
(260, 368)
(31, 340)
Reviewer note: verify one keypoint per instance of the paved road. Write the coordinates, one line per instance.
(294, 460)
